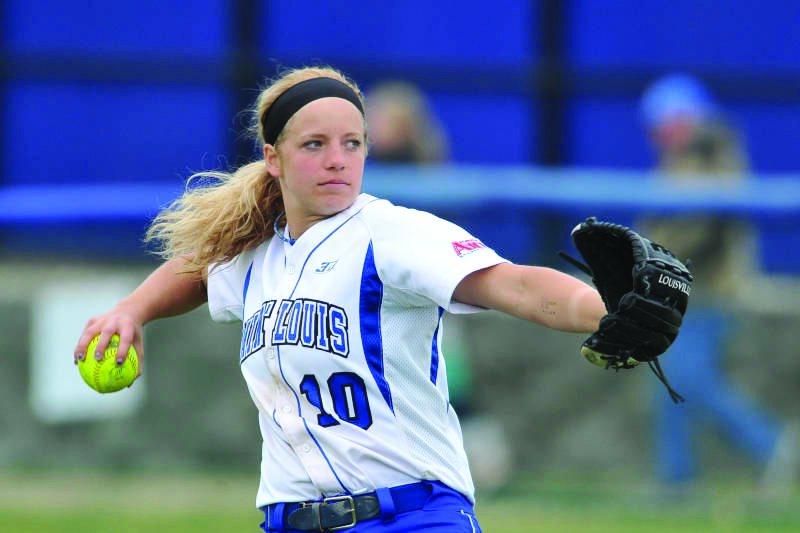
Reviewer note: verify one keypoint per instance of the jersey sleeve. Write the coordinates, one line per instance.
(226, 287)
(424, 256)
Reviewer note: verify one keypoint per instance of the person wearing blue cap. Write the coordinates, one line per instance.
(688, 129)
(693, 140)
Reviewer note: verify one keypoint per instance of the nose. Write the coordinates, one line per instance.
(334, 158)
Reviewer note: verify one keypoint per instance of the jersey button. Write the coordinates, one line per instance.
(271, 353)
(291, 270)
(306, 448)
(287, 409)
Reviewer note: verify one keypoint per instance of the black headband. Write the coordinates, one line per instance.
(295, 97)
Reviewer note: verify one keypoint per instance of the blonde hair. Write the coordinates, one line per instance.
(221, 214)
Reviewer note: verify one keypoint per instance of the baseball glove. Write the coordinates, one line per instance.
(645, 289)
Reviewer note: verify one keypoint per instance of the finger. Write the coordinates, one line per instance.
(92, 328)
(125, 341)
(105, 336)
(138, 345)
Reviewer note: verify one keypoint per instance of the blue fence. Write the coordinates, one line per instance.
(524, 212)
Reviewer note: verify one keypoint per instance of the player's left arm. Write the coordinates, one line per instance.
(539, 294)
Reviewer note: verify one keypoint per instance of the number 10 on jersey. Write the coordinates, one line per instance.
(348, 395)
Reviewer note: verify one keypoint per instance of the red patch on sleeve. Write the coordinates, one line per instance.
(463, 248)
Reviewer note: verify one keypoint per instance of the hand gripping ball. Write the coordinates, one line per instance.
(104, 375)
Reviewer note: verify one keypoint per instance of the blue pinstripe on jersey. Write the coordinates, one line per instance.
(246, 286)
(243, 357)
(435, 348)
(370, 317)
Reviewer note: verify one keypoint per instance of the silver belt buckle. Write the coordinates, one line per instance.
(346, 498)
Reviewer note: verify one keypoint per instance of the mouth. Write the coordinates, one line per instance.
(335, 182)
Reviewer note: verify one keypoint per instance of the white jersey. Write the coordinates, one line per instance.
(341, 350)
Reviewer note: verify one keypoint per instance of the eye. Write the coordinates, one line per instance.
(312, 144)
(353, 144)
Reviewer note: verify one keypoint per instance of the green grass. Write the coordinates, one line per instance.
(595, 506)
(198, 503)
(72, 503)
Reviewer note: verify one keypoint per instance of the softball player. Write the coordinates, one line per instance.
(341, 297)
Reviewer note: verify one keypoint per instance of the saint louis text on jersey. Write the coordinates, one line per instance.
(310, 323)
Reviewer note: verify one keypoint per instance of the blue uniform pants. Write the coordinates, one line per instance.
(692, 367)
(445, 511)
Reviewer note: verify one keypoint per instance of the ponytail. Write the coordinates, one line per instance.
(213, 223)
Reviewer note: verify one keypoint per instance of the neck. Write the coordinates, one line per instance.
(299, 224)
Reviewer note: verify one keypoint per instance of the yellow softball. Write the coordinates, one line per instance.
(104, 375)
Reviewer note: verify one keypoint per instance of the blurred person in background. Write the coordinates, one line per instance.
(694, 141)
(404, 129)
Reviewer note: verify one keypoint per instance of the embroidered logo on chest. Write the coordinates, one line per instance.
(325, 266)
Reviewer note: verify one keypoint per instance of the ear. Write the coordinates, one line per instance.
(272, 160)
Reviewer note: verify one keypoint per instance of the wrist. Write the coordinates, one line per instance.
(134, 310)
(585, 309)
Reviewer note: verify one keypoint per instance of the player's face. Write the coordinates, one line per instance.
(319, 161)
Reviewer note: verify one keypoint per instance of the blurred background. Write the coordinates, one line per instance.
(515, 119)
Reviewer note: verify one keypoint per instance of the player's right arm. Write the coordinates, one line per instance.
(166, 292)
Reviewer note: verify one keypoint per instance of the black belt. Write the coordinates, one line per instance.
(342, 512)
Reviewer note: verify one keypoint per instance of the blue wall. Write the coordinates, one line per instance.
(113, 27)
(443, 32)
(73, 132)
(742, 35)
(715, 38)
(100, 122)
